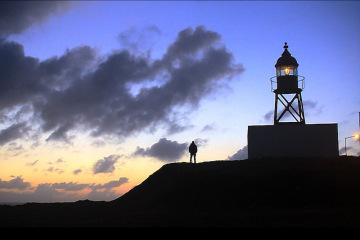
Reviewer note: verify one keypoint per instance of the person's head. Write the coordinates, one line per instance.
(193, 142)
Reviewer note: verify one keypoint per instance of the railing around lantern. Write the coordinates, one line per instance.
(301, 82)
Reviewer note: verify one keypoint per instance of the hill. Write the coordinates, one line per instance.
(249, 193)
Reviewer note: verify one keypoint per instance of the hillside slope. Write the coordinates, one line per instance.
(266, 192)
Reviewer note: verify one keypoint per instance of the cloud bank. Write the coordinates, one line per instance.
(15, 183)
(80, 91)
(57, 192)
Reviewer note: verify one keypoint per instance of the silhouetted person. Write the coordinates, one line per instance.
(192, 151)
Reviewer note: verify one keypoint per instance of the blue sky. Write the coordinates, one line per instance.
(323, 36)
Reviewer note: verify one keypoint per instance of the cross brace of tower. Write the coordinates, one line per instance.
(296, 113)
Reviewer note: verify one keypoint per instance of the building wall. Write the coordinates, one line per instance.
(293, 140)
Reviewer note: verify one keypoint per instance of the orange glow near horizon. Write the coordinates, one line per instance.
(48, 164)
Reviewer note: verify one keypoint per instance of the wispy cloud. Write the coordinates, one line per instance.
(208, 128)
(55, 170)
(31, 164)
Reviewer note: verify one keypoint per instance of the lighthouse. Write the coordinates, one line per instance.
(288, 83)
(290, 135)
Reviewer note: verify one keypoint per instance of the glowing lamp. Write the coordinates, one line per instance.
(287, 71)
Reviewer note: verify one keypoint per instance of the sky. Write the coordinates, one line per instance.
(97, 95)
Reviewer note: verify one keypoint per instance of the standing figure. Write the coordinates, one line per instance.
(192, 151)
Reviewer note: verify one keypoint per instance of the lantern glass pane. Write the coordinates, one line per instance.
(286, 71)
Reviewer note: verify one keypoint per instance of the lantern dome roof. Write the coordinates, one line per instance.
(286, 59)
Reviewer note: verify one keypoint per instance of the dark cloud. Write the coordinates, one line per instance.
(77, 91)
(164, 150)
(16, 16)
(190, 41)
(242, 154)
(19, 78)
(106, 165)
(15, 131)
(101, 100)
(26, 83)
(77, 171)
(15, 183)
(20, 86)
(60, 72)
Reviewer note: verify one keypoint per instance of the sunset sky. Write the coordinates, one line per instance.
(96, 96)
